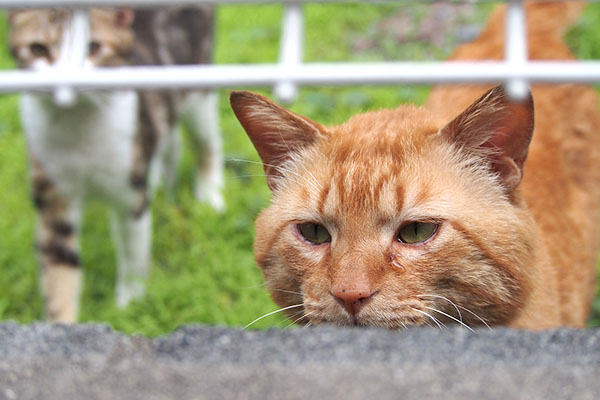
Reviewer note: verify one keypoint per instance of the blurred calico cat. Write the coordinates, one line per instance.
(111, 145)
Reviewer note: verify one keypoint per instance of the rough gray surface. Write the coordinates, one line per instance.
(42, 361)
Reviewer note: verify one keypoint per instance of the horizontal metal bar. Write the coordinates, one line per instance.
(155, 3)
(232, 75)
(11, 4)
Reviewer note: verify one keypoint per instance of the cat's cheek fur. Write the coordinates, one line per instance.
(271, 254)
(460, 269)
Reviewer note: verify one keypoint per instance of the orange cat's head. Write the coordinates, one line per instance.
(41, 38)
(395, 218)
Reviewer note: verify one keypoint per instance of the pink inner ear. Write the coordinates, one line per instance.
(275, 132)
(124, 17)
(513, 132)
(495, 122)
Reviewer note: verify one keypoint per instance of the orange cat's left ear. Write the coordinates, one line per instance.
(497, 129)
(277, 134)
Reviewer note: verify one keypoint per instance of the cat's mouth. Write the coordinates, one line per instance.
(407, 313)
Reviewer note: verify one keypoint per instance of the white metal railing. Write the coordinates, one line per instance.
(290, 72)
(156, 3)
(515, 53)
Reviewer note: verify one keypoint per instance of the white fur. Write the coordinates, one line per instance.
(87, 152)
(199, 115)
(133, 239)
(86, 149)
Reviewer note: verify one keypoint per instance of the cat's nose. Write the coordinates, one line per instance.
(352, 299)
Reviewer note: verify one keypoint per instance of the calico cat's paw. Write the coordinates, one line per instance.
(210, 193)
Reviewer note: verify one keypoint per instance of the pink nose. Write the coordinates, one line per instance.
(352, 299)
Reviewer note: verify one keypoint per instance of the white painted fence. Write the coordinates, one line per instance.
(289, 72)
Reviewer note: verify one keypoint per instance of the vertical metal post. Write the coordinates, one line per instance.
(74, 52)
(290, 49)
(515, 51)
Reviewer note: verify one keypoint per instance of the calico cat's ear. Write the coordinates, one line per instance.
(277, 134)
(12, 15)
(498, 129)
(124, 17)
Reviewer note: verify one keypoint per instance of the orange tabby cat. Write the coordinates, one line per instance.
(426, 215)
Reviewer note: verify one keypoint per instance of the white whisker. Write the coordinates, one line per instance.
(273, 312)
(249, 176)
(280, 169)
(447, 299)
(243, 160)
(314, 178)
(255, 286)
(438, 323)
(293, 179)
(287, 291)
(301, 312)
(303, 167)
(451, 317)
(285, 321)
(298, 319)
(477, 316)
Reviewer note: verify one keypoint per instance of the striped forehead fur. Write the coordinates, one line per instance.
(370, 169)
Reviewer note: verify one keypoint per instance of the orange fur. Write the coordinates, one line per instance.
(515, 243)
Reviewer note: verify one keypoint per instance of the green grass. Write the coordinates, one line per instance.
(203, 268)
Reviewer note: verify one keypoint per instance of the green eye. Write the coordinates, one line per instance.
(417, 232)
(314, 233)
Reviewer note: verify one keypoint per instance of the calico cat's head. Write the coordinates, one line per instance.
(395, 218)
(40, 38)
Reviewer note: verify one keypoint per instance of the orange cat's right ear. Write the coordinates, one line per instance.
(277, 134)
(498, 130)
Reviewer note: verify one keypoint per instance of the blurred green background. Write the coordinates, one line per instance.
(203, 269)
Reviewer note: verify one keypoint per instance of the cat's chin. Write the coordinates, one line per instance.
(367, 323)
(364, 321)
(329, 323)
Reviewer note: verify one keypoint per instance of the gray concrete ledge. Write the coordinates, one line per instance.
(42, 361)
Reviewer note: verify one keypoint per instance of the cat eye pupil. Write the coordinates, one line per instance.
(39, 50)
(417, 232)
(314, 233)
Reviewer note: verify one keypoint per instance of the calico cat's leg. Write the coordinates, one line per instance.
(132, 238)
(171, 157)
(200, 116)
(56, 232)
